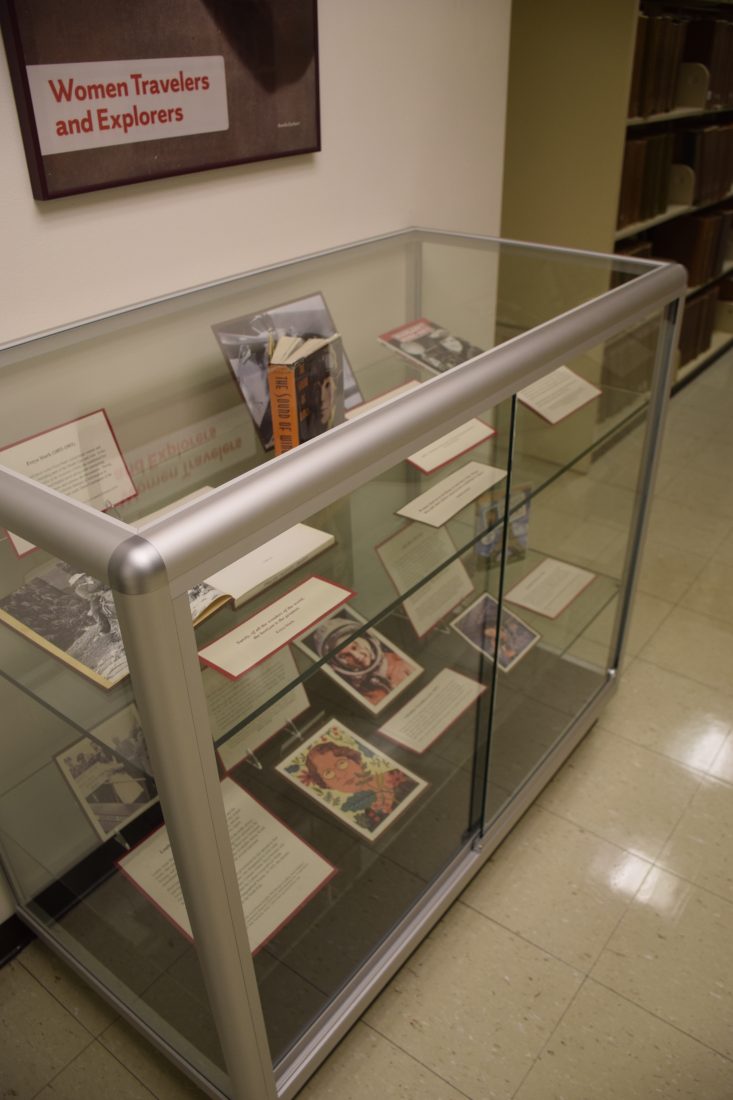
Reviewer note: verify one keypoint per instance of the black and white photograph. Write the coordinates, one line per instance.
(111, 791)
(477, 625)
(123, 734)
(248, 342)
(369, 667)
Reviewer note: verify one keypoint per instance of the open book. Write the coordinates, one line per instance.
(430, 345)
(73, 615)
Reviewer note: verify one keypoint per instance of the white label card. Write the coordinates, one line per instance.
(432, 710)
(451, 445)
(277, 872)
(550, 588)
(272, 628)
(412, 554)
(558, 394)
(80, 459)
(436, 506)
(231, 700)
(88, 104)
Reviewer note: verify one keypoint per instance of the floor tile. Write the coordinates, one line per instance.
(39, 1037)
(666, 712)
(154, 1070)
(365, 1066)
(480, 1035)
(722, 765)
(668, 571)
(695, 646)
(691, 528)
(607, 1049)
(558, 886)
(711, 593)
(647, 615)
(624, 793)
(700, 848)
(67, 988)
(672, 954)
(109, 1077)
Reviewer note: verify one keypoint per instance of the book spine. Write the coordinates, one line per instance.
(284, 403)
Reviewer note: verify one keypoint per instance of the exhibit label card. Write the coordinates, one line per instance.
(432, 710)
(451, 445)
(80, 459)
(558, 394)
(436, 506)
(230, 700)
(272, 628)
(277, 872)
(550, 588)
(414, 553)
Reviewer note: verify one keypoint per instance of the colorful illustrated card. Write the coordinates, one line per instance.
(477, 625)
(362, 787)
(370, 667)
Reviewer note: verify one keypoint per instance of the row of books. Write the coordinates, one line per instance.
(663, 42)
(697, 325)
(707, 150)
(701, 242)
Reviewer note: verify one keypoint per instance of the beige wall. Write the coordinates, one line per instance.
(413, 97)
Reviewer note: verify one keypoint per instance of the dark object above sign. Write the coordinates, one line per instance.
(110, 93)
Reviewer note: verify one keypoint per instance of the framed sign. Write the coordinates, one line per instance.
(118, 91)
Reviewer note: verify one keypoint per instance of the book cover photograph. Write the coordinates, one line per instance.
(430, 345)
(490, 526)
(111, 790)
(362, 787)
(247, 343)
(477, 626)
(305, 378)
(369, 667)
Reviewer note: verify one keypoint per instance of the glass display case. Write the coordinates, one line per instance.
(267, 715)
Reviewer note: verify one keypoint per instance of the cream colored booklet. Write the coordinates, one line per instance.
(440, 503)
(550, 587)
(415, 552)
(254, 640)
(430, 713)
(277, 872)
(558, 394)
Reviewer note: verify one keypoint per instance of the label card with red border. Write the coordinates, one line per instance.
(415, 552)
(439, 504)
(229, 700)
(432, 710)
(80, 459)
(451, 445)
(559, 394)
(274, 626)
(277, 872)
(550, 588)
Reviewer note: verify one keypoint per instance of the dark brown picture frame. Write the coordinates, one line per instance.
(267, 100)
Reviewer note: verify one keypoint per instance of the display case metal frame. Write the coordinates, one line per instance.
(151, 573)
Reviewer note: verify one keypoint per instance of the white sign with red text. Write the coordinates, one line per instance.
(88, 104)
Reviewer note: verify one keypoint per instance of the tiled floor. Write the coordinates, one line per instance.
(592, 959)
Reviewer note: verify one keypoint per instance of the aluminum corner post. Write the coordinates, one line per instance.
(166, 678)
